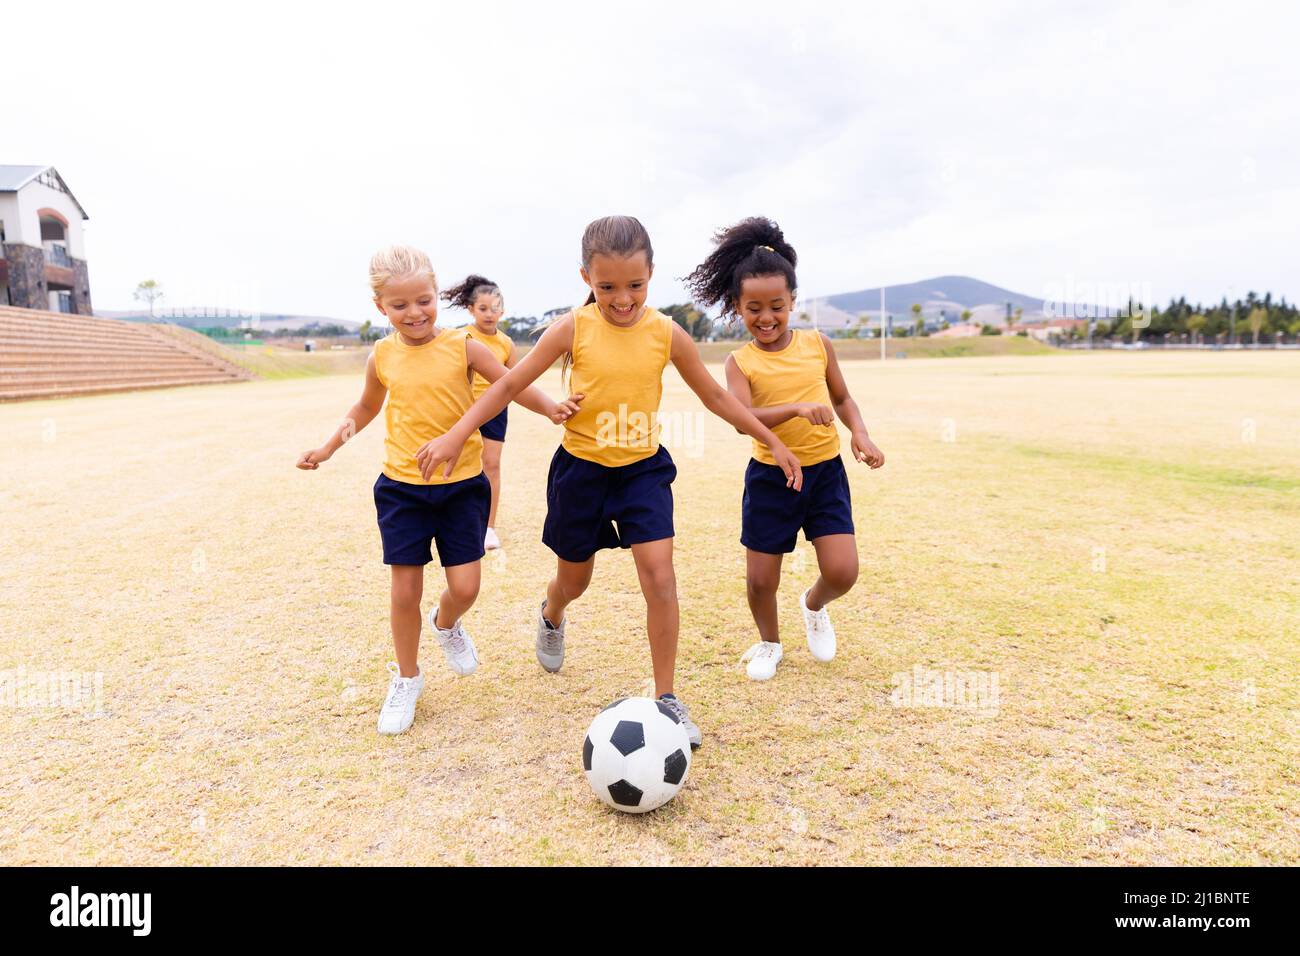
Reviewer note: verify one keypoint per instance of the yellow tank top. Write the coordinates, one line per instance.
(620, 371)
(428, 392)
(499, 343)
(797, 373)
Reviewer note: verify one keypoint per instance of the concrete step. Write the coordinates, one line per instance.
(65, 391)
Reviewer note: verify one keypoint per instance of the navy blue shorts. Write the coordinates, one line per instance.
(591, 506)
(452, 515)
(771, 514)
(495, 428)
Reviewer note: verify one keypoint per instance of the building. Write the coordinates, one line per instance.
(44, 263)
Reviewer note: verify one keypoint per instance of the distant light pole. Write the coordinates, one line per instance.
(1232, 315)
(882, 321)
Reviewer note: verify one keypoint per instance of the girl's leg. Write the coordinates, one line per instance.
(404, 607)
(837, 560)
(762, 578)
(492, 468)
(571, 579)
(460, 593)
(654, 568)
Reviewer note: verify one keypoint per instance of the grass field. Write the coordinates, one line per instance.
(1114, 538)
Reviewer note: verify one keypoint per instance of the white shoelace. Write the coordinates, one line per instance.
(761, 649)
(455, 639)
(398, 689)
(820, 619)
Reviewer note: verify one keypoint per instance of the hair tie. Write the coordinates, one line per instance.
(768, 248)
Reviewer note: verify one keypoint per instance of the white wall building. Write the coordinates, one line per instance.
(44, 261)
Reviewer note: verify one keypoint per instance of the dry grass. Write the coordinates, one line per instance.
(237, 610)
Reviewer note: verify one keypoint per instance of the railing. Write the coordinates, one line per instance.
(56, 254)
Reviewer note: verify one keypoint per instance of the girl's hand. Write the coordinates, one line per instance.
(788, 463)
(435, 452)
(311, 460)
(864, 449)
(566, 409)
(817, 414)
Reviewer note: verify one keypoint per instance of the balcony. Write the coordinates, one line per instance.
(56, 254)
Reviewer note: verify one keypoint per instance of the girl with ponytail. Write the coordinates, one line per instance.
(791, 381)
(610, 481)
(481, 298)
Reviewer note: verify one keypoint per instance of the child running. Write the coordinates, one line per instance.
(610, 481)
(791, 381)
(425, 373)
(482, 299)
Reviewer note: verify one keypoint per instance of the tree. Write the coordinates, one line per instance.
(1195, 322)
(966, 315)
(1256, 320)
(148, 291)
(918, 321)
(698, 325)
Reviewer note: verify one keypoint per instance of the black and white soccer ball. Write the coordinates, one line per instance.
(636, 755)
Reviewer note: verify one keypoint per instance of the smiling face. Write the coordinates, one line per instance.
(620, 284)
(765, 304)
(411, 304)
(486, 311)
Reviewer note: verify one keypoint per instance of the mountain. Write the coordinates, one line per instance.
(943, 297)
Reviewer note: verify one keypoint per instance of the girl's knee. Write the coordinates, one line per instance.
(571, 589)
(463, 592)
(841, 577)
(762, 584)
(661, 584)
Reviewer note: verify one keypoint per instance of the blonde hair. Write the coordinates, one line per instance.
(398, 262)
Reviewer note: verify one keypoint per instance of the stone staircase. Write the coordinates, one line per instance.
(50, 354)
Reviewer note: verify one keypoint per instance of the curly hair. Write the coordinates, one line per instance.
(752, 247)
(467, 292)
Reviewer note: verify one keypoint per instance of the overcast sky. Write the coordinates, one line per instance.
(254, 155)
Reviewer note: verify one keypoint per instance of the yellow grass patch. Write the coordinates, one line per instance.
(1114, 537)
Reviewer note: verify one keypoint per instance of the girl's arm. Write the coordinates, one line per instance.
(555, 341)
(482, 361)
(773, 415)
(359, 416)
(686, 359)
(864, 449)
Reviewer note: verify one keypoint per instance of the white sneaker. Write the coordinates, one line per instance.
(763, 658)
(461, 654)
(821, 636)
(399, 706)
(490, 540)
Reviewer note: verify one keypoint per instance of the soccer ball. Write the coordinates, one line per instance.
(636, 755)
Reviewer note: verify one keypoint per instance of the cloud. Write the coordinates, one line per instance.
(264, 151)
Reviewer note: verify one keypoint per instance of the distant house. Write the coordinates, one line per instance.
(44, 263)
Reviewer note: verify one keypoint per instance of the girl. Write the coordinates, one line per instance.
(791, 381)
(425, 372)
(482, 299)
(610, 482)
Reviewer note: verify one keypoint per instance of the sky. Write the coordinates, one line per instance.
(253, 156)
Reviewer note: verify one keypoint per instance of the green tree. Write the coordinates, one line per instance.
(966, 315)
(1255, 321)
(149, 291)
(1195, 322)
(697, 325)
